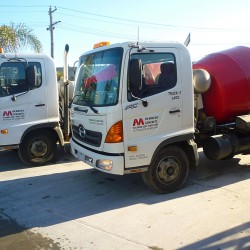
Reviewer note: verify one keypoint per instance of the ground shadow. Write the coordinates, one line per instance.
(9, 159)
(225, 240)
(60, 197)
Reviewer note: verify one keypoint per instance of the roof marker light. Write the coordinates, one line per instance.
(101, 44)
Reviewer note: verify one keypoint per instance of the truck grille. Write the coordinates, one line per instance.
(87, 136)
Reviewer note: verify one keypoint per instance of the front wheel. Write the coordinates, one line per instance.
(38, 148)
(168, 171)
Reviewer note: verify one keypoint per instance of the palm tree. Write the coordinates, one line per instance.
(14, 37)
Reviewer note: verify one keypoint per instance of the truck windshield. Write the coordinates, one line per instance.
(97, 83)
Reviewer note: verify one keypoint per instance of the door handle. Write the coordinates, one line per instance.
(174, 111)
(40, 105)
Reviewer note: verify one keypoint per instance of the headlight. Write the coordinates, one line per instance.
(104, 164)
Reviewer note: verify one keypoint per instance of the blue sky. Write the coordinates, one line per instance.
(214, 24)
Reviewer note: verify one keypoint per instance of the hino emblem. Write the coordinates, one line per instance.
(82, 131)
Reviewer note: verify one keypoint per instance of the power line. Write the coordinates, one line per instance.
(150, 23)
(98, 20)
(136, 22)
(117, 18)
(96, 32)
(25, 11)
(23, 6)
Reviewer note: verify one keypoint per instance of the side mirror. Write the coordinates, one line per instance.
(135, 76)
(75, 67)
(32, 76)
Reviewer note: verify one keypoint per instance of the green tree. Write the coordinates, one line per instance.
(59, 75)
(14, 37)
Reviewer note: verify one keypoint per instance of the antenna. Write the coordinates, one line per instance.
(138, 34)
(188, 39)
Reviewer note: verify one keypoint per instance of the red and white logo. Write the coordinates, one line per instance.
(138, 122)
(7, 113)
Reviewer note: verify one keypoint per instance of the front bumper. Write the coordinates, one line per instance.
(112, 164)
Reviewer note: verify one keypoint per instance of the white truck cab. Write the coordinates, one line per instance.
(132, 111)
(29, 107)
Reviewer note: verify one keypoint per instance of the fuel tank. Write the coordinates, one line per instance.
(229, 92)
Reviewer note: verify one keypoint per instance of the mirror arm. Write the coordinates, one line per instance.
(144, 102)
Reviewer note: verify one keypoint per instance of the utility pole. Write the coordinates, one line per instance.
(51, 28)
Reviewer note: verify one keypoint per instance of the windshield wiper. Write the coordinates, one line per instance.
(85, 103)
(92, 108)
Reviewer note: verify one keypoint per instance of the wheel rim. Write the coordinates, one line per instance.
(168, 170)
(38, 148)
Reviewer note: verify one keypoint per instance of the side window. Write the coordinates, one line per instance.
(13, 78)
(158, 72)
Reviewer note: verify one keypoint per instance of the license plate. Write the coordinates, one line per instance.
(81, 156)
(85, 158)
(88, 160)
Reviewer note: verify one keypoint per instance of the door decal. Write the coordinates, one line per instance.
(149, 122)
(10, 115)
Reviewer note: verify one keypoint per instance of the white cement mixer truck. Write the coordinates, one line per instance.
(33, 106)
(133, 110)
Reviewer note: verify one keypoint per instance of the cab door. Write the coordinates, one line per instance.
(21, 106)
(154, 114)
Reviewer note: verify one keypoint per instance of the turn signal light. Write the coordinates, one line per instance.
(132, 148)
(115, 133)
(4, 131)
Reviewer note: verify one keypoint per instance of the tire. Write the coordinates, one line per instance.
(38, 148)
(168, 171)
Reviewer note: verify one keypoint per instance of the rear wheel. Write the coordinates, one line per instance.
(38, 148)
(168, 170)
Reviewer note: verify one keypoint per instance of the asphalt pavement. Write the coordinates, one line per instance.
(68, 205)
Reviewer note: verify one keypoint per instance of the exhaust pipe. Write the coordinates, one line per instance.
(66, 92)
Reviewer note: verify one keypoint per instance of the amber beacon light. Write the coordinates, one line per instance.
(101, 44)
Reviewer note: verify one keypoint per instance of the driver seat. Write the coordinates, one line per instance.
(167, 78)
